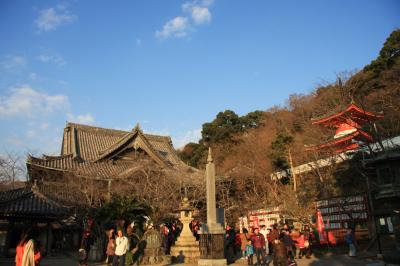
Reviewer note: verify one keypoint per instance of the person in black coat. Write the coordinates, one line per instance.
(230, 244)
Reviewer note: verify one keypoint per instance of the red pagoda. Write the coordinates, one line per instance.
(348, 125)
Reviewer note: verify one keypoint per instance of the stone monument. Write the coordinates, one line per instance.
(212, 234)
(151, 246)
(186, 249)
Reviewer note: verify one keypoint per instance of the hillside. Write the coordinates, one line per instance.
(256, 143)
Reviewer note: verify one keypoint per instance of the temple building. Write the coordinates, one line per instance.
(94, 153)
(91, 162)
(29, 206)
(384, 173)
(107, 153)
(349, 129)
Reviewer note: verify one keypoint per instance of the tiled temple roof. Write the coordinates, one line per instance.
(68, 163)
(352, 111)
(90, 142)
(30, 203)
(90, 151)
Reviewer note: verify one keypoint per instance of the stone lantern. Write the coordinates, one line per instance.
(186, 249)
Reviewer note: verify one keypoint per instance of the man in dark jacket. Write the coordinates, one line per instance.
(258, 242)
(288, 242)
(273, 235)
(230, 244)
(280, 252)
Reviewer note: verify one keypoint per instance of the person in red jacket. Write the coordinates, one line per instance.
(300, 244)
(27, 251)
(258, 241)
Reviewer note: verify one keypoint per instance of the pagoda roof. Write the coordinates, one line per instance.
(29, 202)
(92, 152)
(353, 112)
(344, 143)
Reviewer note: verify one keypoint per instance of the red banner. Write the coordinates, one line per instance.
(321, 229)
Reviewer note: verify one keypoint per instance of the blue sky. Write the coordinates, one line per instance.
(170, 65)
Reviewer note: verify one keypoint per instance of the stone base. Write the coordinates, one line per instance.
(185, 254)
(214, 228)
(212, 262)
(152, 260)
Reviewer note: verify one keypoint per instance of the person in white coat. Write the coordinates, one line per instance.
(121, 247)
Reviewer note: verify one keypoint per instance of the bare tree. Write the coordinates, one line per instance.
(12, 169)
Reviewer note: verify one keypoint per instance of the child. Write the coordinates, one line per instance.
(301, 245)
(349, 238)
(249, 252)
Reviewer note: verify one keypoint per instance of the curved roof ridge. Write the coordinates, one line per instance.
(118, 143)
(95, 128)
(157, 136)
(151, 148)
(348, 109)
(30, 201)
(127, 137)
(10, 195)
(54, 157)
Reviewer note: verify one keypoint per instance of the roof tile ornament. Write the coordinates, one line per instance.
(137, 128)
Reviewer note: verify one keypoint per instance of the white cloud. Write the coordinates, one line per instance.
(201, 15)
(56, 59)
(176, 27)
(86, 119)
(13, 61)
(189, 136)
(27, 102)
(33, 76)
(198, 13)
(51, 18)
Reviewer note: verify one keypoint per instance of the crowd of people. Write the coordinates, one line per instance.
(119, 244)
(260, 246)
